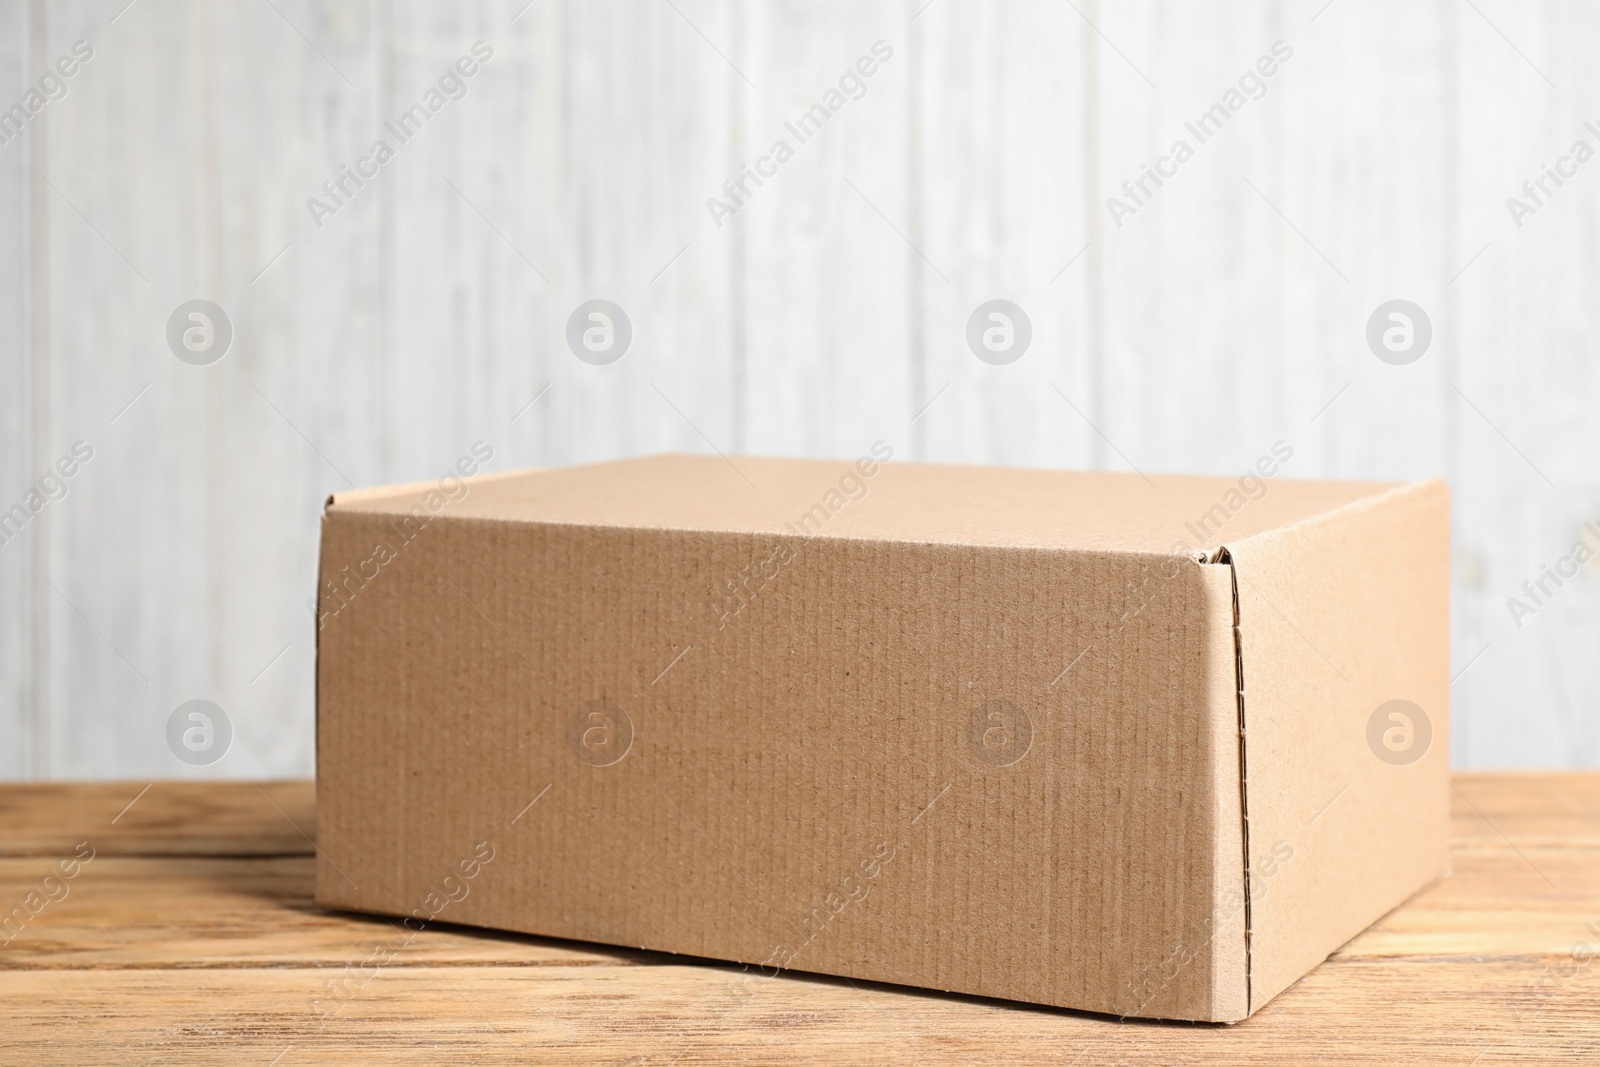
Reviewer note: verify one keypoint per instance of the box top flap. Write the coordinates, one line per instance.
(925, 503)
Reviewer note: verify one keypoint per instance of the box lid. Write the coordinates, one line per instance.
(926, 503)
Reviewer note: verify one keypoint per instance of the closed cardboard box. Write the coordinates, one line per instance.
(1145, 746)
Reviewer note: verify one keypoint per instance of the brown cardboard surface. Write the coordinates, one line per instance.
(969, 729)
(999, 507)
(1339, 615)
(1225, 930)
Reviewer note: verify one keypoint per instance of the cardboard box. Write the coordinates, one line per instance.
(1094, 740)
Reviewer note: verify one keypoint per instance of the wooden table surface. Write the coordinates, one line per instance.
(190, 937)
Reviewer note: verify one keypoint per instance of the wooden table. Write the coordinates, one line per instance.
(190, 937)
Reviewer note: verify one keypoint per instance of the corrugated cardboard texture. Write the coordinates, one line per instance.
(1340, 615)
(929, 503)
(967, 729)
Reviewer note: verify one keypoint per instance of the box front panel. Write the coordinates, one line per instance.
(990, 771)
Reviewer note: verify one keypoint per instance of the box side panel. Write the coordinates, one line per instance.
(361, 778)
(996, 771)
(1348, 808)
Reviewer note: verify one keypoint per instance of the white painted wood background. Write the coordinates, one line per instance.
(1225, 315)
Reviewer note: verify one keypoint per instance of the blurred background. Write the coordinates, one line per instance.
(373, 313)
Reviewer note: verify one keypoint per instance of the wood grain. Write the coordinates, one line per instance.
(180, 949)
(1358, 1013)
(159, 818)
(1227, 314)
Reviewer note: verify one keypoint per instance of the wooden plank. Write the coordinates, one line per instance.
(130, 237)
(627, 134)
(195, 959)
(1498, 905)
(1557, 810)
(22, 225)
(1543, 810)
(239, 910)
(824, 298)
(1266, 250)
(1367, 1012)
(376, 348)
(159, 818)
(1526, 374)
(1530, 892)
(294, 411)
(1001, 122)
(413, 322)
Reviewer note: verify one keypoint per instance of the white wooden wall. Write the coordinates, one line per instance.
(425, 315)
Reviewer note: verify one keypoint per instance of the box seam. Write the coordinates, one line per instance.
(316, 685)
(1223, 557)
(341, 504)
